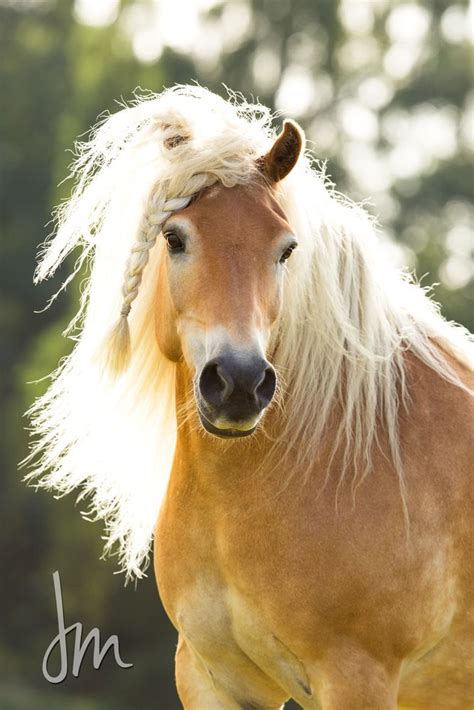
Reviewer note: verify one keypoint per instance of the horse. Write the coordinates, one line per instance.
(285, 413)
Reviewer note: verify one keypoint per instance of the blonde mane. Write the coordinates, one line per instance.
(347, 314)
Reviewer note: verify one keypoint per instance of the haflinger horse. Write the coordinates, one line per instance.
(287, 414)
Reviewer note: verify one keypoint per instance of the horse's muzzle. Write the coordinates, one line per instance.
(232, 392)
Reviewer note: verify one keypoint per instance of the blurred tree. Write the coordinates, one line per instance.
(383, 90)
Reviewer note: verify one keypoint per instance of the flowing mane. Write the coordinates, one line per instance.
(347, 314)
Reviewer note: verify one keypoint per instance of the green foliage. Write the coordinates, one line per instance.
(56, 76)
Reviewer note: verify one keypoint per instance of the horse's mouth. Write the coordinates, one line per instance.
(224, 433)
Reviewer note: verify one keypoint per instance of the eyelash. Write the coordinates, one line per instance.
(287, 253)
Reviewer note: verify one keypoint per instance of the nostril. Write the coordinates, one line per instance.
(215, 385)
(266, 387)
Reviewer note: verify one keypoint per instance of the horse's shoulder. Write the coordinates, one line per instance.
(438, 422)
(428, 388)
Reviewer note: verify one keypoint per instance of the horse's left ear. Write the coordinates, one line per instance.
(284, 153)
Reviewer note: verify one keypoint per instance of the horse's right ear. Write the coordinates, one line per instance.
(284, 153)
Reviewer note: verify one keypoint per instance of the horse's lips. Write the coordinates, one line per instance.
(223, 433)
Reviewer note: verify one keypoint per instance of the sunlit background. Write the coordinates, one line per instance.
(384, 91)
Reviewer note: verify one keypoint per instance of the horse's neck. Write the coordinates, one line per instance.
(202, 455)
(256, 466)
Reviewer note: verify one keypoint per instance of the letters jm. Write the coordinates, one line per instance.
(80, 647)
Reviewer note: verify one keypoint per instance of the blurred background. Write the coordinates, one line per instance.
(384, 91)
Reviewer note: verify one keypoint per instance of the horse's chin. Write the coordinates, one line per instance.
(227, 433)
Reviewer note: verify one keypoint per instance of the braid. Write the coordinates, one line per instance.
(157, 210)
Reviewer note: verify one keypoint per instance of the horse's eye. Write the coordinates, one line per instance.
(287, 253)
(175, 244)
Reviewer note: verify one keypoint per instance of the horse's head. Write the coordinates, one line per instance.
(220, 291)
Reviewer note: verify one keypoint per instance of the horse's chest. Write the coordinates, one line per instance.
(203, 615)
(194, 585)
(229, 586)
(224, 623)
(238, 646)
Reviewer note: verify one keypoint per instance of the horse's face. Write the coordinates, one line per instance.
(219, 297)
